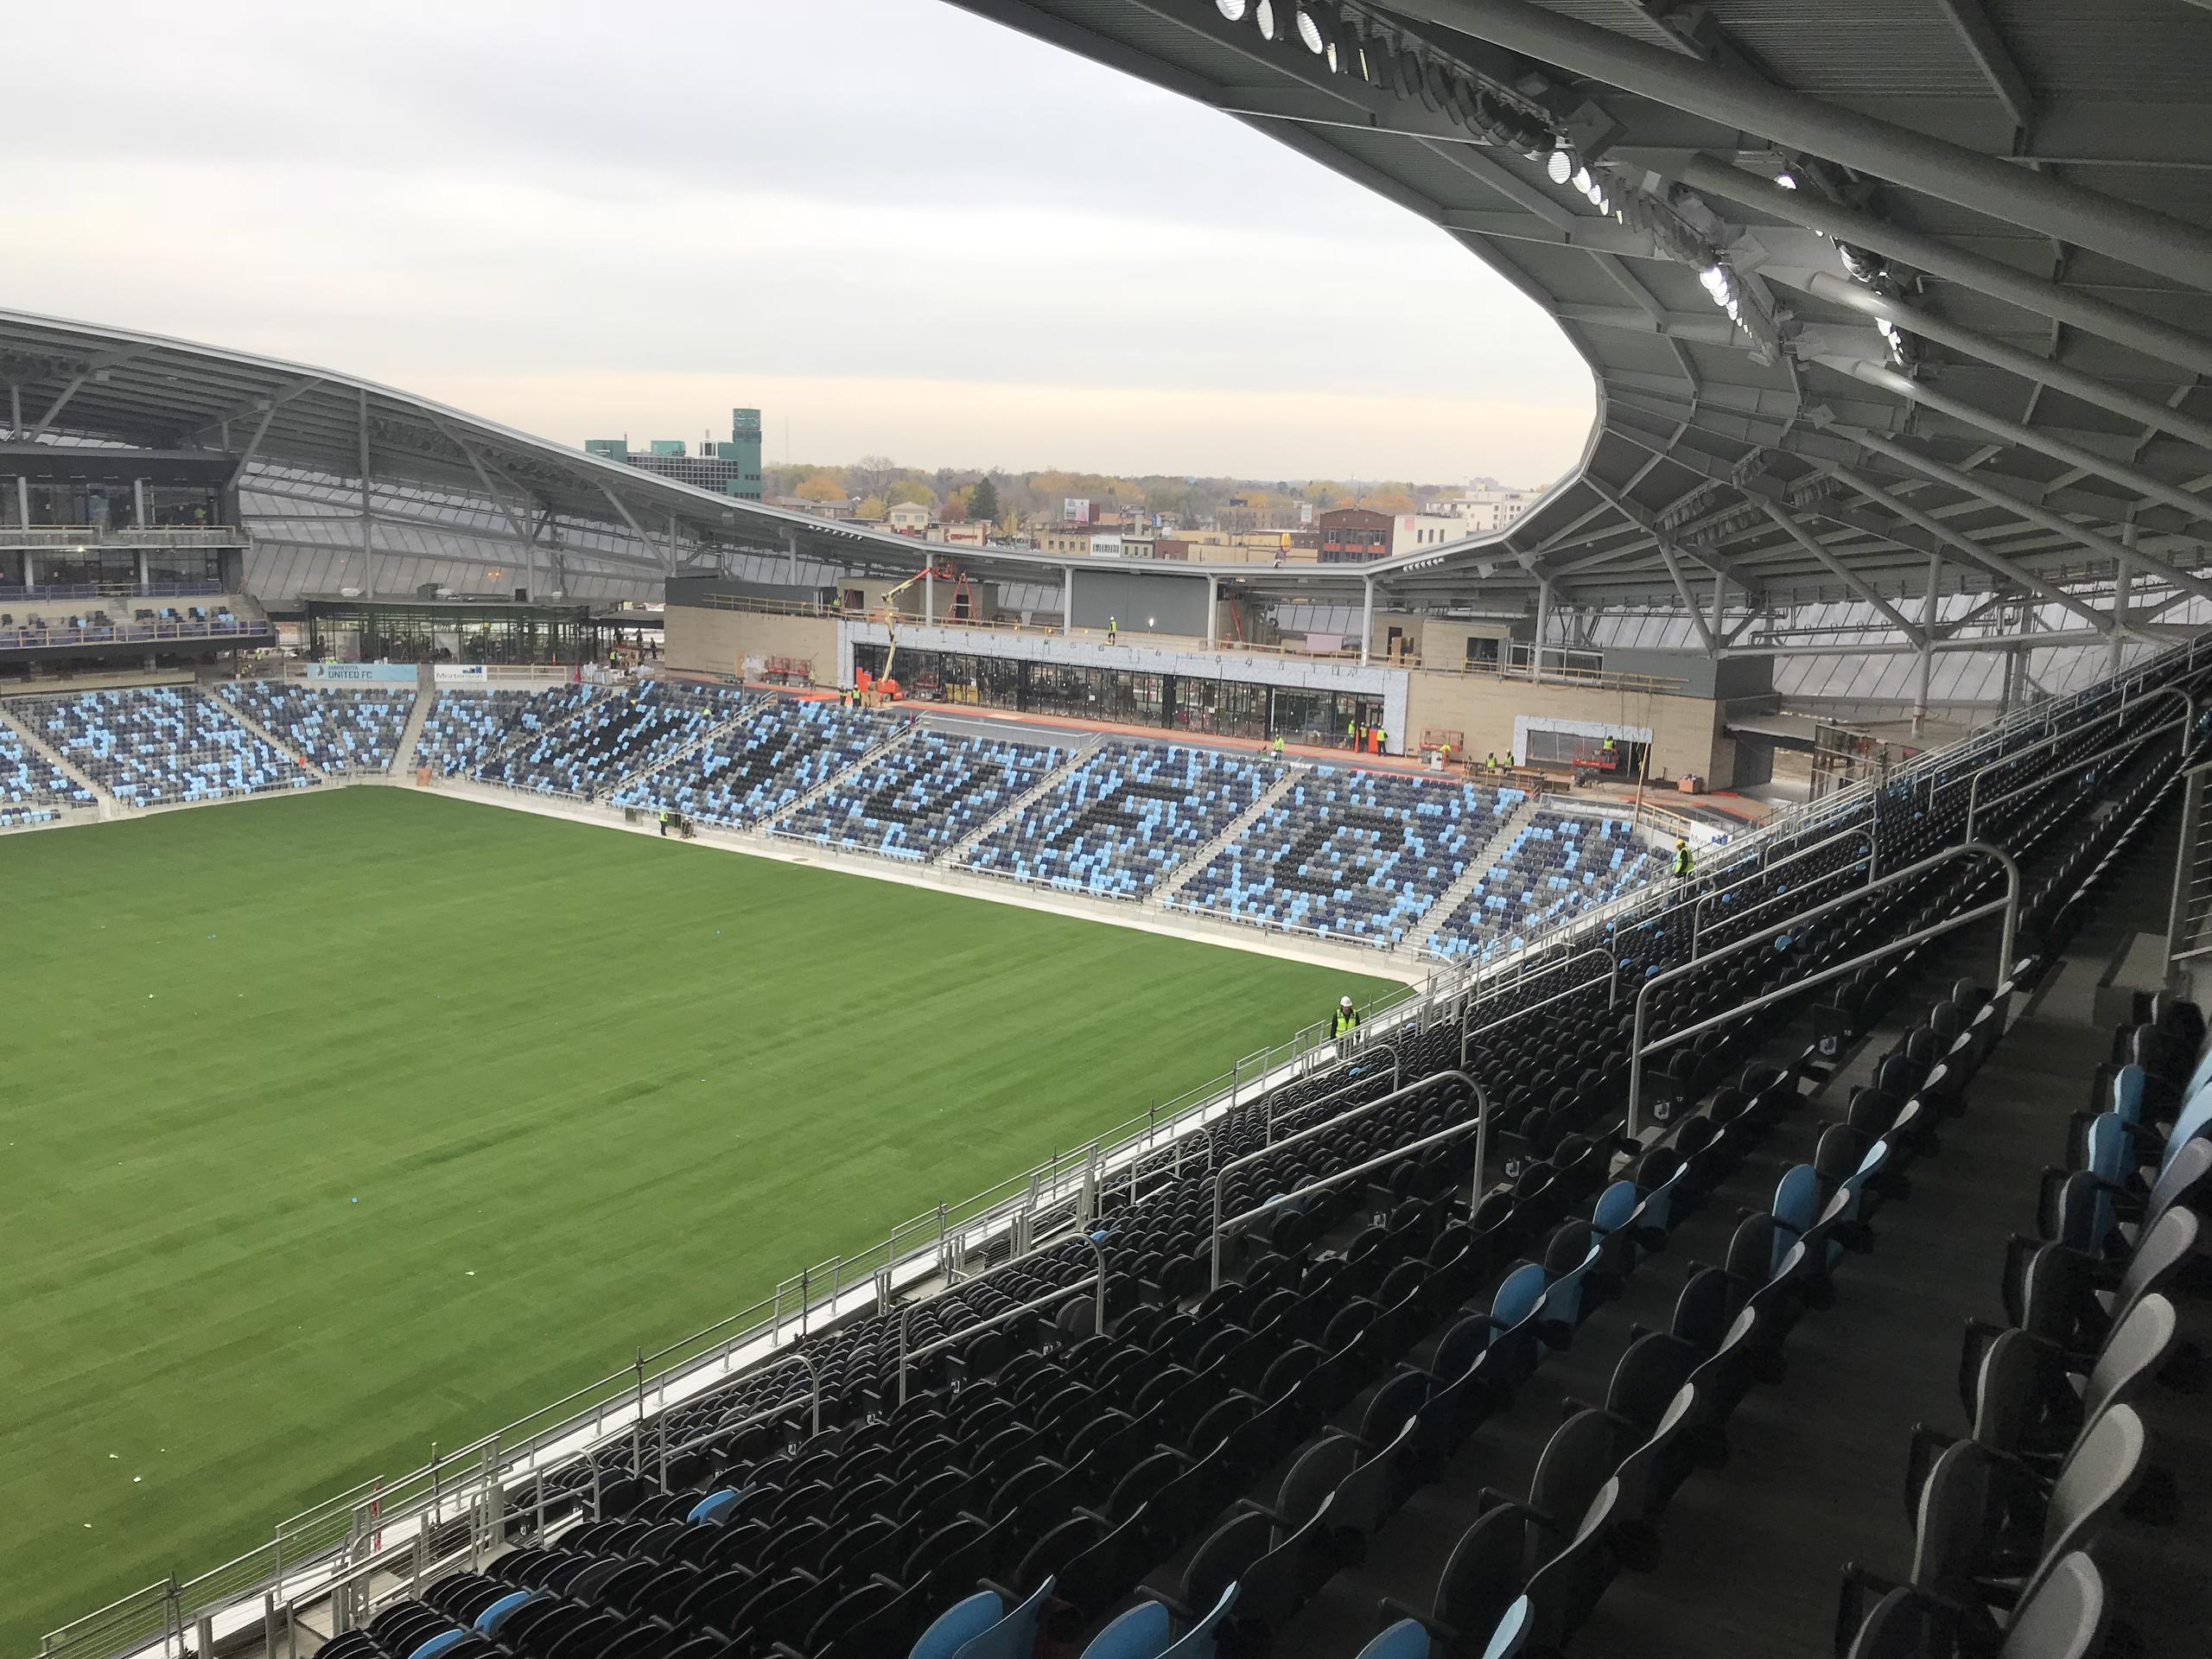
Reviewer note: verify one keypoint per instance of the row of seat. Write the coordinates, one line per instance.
(341, 730)
(2014, 1519)
(923, 797)
(159, 746)
(1557, 866)
(1352, 852)
(1120, 822)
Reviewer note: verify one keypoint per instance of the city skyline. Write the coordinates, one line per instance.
(980, 250)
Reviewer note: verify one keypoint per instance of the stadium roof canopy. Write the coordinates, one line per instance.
(1878, 294)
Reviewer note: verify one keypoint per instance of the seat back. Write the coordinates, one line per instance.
(1140, 1633)
(2064, 1616)
(2099, 1473)
(1198, 1642)
(959, 1626)
(2137, 1348)
(1404, 1640)
(1013, 1636)
(1576, 1461)
(2159, 1255)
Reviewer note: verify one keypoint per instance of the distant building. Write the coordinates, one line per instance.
(1354, 535)
(732, 468)
(1486, 507)
(839, 509)
(908, 518)
(1080, 541)
(1241, 517)
(1412, 531)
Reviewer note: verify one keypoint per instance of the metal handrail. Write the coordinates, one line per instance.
(813, 1371)
(1974, 780)
(1467, 1036)
(1221, 1174)
(2082, 765)
(1096, 1278)
(2192, 813)
(1479, 1128)
(1397, 1078)
(1697, 905)
(2010, 904)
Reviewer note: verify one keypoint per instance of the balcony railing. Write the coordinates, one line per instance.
(82, 537)
(245, 630)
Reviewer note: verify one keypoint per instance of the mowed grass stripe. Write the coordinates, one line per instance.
(625, 1084)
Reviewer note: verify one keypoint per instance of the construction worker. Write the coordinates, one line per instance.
(1346, 1020)
(1113, 628)
(1278, 746)
(1352, 734)
(1490, 761)
(1381, 740)
(665, 814)
(1685, 859)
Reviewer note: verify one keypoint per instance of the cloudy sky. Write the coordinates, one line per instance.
(895, 226)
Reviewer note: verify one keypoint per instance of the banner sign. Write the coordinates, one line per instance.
(460, 673)
(362, 673)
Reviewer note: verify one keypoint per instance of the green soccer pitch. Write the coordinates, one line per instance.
(337, 1123)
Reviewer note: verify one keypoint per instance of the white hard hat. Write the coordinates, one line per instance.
(1344, 1003)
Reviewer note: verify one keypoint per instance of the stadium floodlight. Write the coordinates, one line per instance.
(1582, 180)
(1233, 10)
(1786, 179)
(1312, 30)
(1559, 166)
(1263, 14)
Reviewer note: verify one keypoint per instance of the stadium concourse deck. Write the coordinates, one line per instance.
(1370, 862)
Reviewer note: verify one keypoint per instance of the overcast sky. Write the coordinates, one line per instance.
(895, 226)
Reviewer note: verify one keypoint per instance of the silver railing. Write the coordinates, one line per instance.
(1480, 1126)
(2188, 917)
(1639, 1049)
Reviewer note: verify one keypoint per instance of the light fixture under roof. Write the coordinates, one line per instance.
(1786, 179)
(1559, 166)
(1582, 180)
(1263, 13)
(1307, 23)
(1234, 10)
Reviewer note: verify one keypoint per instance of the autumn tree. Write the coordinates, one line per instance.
(984, 501)
(821, 486)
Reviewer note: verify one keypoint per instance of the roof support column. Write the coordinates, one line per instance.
(1719, 605)
(1366, 616)
(1213, 602)
(1927, 641)
(2122, 584)
(672, 543)
(24, 502)
(791, 558)
(1543, 627)
(1067, 600)
(138, 505)
(368, 517)
(929, 593)
(1738, 99)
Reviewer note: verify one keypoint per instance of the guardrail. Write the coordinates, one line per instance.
(131, 633)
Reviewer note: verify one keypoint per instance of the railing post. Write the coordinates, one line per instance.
(2192, 811)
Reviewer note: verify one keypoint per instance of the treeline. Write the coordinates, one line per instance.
(876, 484)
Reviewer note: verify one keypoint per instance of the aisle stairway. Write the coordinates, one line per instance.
(955, 855)
(1415, 944)
(1179, 877)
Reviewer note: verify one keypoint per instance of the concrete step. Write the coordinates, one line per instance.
(1200, 857)
(900, 735)
(227, 707)
(426, 692)
(750, 708)
(1477, 866)
(38, 746)
(957, 855)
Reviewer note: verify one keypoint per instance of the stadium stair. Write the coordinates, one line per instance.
(1163, 896)
(53, 757)
(1486, 857)
(271, 739)
(745, 711)
(893, 740)
(426, 697)
(954, 856)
